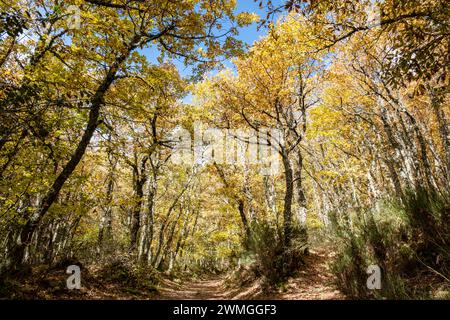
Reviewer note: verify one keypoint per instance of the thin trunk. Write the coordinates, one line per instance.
(136, 213)
(443, 130)
(105, 229)
(169, 241)
(239, 201)
(289, 193)
(155, 260)
(301, 198)
(269, 192)
(147, 234)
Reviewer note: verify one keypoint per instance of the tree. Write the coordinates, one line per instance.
(105, 53)
(275, 85)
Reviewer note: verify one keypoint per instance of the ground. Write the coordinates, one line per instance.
(314, 282)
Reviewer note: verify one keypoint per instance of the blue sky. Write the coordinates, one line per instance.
(250, 33)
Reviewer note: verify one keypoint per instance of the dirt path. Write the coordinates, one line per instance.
(314, 282)
(210, 289)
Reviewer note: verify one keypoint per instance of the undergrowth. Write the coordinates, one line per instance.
(409, 241)
(267, 256)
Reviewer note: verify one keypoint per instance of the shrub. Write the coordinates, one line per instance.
(125, 272)
(273, 262)
(407, 241)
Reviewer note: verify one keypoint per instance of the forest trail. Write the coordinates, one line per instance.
(313, 282)
(208, 289)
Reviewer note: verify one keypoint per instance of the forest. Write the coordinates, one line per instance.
(152, 149)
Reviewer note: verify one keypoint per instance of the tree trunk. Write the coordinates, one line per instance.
(105, 229)
(136, 214)
(147, 234)
(443, 130)
(239, 201)
(301, 198)
(289, 193)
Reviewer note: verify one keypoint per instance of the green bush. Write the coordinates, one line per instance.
(429, 216)
(407, 241)
(273, 262)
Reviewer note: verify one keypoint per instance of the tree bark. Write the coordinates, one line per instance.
(105, 229)
(289, 193)
(148, 230)
(301, 198)
(239, 201)
(140, 177)
(443, 130)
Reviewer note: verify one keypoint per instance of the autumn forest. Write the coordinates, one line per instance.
(153, 149)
